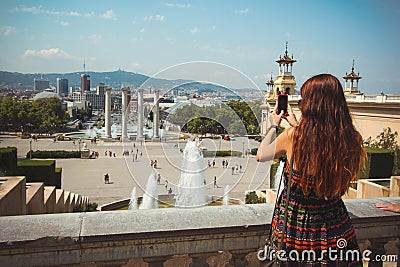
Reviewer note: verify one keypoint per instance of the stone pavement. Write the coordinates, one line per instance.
(86, 176)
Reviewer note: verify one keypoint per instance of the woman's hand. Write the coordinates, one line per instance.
(276, 118)
(290, 117)
(392, 206)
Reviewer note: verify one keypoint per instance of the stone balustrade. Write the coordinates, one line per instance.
(206, 236)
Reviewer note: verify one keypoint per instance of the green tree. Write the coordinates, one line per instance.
(39, 116)
(385, 140)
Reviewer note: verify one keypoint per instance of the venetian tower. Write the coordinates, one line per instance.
(285, 82)
(351, 87)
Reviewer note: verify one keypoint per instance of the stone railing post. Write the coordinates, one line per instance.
(156, 261)
(239, 258)
(199, 260)
(377, 247)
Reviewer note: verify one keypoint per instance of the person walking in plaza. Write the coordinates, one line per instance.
(158, 178)
(166, 184)
(215, 182)
(106, 178)
(325, 152)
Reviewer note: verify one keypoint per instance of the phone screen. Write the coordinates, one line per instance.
(282, 103)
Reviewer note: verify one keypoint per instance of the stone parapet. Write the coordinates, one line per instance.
(156, 236)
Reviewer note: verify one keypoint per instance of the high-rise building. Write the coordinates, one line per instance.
(62, 86)
(101, 89)
(40, 84)
(85, 83)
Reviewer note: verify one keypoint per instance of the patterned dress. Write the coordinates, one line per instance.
(319, 232)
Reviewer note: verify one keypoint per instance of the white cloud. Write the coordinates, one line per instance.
(52, 53)
(133, 66)
(214, 27)
(287, 34)
(64, 23)
(6, 30)
(170, 40)
(39, 10)
(155, 18)
(109, 14)
(242, 11)
(177, 5)
(159, 18)
(141, 30)
(194, 30)
(263, 77)
(95, 38)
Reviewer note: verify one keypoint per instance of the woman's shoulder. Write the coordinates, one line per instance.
(289, 132)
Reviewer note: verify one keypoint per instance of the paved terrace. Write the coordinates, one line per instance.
(206, 236)
(86, 176)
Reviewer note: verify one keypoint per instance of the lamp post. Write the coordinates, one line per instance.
(79, 144)
(243, 149)
(30, 148)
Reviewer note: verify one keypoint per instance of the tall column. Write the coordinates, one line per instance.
(107, 109)
(124, 113)
(156, 115)
(140, 115)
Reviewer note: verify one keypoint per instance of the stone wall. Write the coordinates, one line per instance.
(206, 236)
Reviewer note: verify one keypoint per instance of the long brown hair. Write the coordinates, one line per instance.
(326, 148)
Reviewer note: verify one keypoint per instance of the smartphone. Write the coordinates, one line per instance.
(282, 103)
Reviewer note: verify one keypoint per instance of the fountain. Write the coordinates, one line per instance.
(150, 197)
(133, 201)
(225, 199)
(191, 188)
(91, 133)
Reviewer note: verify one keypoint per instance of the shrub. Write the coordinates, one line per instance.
(8, 160)
(252, 198)
(380, 163)
(54, 154)
(221, 153)
(92, 206)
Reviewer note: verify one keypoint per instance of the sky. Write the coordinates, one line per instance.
(243, 38)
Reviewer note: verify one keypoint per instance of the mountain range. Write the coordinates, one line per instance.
(115, 79)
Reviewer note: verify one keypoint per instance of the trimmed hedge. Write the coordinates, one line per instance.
(42, 171)
(221, 153)
(8, 160)
(54, 154)
(380, 163)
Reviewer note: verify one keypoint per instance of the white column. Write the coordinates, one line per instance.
(156, 115)
(107, 109)
(124, 111)
(140, 115)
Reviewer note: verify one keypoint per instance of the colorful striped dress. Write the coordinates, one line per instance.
(319, 232)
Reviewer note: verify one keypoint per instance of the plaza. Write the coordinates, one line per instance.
(85, 176)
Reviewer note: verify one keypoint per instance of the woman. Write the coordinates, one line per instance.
(327, 153)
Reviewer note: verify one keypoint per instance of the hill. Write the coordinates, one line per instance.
(114, 79)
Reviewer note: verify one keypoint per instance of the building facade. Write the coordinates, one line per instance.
(62, 86)
(40, 84)
(85, 83)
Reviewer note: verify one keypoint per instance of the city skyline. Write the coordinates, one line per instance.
(54, 36)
